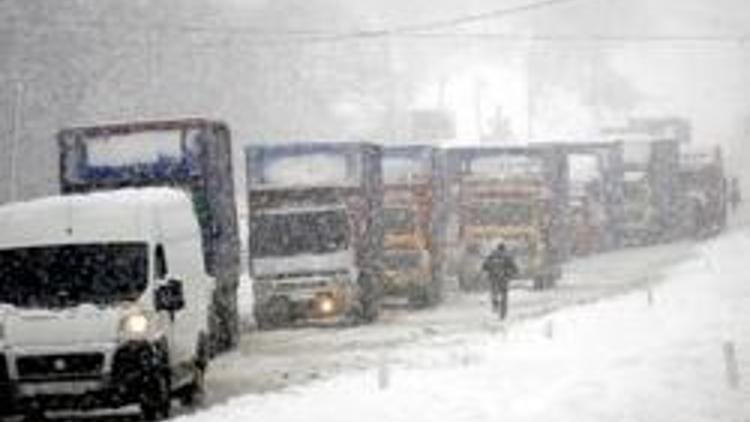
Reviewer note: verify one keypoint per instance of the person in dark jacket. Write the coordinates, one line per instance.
(500, 268)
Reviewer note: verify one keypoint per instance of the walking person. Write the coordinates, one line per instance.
(735, 196)
(500, 268)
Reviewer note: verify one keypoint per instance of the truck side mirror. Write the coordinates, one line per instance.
(170, 297)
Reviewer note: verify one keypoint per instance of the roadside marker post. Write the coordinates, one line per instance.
(730, 365)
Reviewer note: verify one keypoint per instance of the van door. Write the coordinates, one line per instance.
(178, 327)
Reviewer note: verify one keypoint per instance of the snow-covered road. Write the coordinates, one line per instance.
(636, 357)
(271, 361)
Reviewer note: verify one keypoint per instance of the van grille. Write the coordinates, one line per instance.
(60, 366)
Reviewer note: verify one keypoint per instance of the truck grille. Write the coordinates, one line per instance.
(310, 285)
(304, 274)
(60, 366)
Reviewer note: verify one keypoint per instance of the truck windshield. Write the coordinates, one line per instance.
(298, 233)
(399, 220)
(636, 192)
(503, 214)
(71, 275)
(402, 260)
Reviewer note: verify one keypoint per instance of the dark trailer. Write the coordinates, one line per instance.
(606, 190)
(191, 154)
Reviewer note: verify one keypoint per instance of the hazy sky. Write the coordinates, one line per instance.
(701, 74)
(561, 72)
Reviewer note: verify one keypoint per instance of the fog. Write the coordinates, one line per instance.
(330, 70)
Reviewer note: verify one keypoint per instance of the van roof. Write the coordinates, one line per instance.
(109, 216)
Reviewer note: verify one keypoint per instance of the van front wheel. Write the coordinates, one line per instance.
(156, 400)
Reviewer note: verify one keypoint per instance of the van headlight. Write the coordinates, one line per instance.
(134, 325)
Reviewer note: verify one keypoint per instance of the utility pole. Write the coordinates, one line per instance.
(478, 108)
(153, 65)
(393, 100)
(441, 93)
(16, 109)
(529, 97)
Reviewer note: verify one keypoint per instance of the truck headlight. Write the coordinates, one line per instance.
(135, 325)
(326, 304)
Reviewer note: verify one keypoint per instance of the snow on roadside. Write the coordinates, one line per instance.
(654, 356)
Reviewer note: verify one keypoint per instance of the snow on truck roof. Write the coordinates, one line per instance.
(141, 126)
(120, 215)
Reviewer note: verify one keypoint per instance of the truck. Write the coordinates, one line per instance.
(413, 220)
(104, 302)
(596, 195)
(650, 191)
(514, 195)
(315, 232)
(193, 155)
(703, 192)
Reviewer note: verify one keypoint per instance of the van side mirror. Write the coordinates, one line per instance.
(170, 297)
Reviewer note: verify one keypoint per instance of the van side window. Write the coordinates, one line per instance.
(160, 264)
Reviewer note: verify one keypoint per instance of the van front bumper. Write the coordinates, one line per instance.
(73, 394)
(119, 383)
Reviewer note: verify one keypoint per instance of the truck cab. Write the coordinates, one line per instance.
(194, 155)
(703, 191)
(104, 302)
(315, 232)
(513, 195)
(413, 224)
(640, 223)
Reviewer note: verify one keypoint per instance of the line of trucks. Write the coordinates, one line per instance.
(122, 289)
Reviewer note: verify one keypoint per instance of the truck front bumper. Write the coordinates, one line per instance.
(322, 301)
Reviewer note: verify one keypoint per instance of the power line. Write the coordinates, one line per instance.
(475, 18)
(424, 31)
(308, 35)
(569, 38)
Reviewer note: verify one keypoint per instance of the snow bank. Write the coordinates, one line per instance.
(648, 356)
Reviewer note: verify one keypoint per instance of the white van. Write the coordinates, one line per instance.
(104, 302)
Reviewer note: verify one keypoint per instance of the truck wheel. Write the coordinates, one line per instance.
(538, 283)
(36, 414)
(8, 407)
(544, 282)
(370, 310)
(156, 400)
(361, 312)
(261, 321)
(419, 297)
(276, 313)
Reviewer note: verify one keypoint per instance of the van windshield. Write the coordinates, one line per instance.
(71, 275)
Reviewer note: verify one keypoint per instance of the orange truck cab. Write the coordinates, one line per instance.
(411, 222)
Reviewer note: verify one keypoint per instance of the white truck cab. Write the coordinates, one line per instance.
(104, 302)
